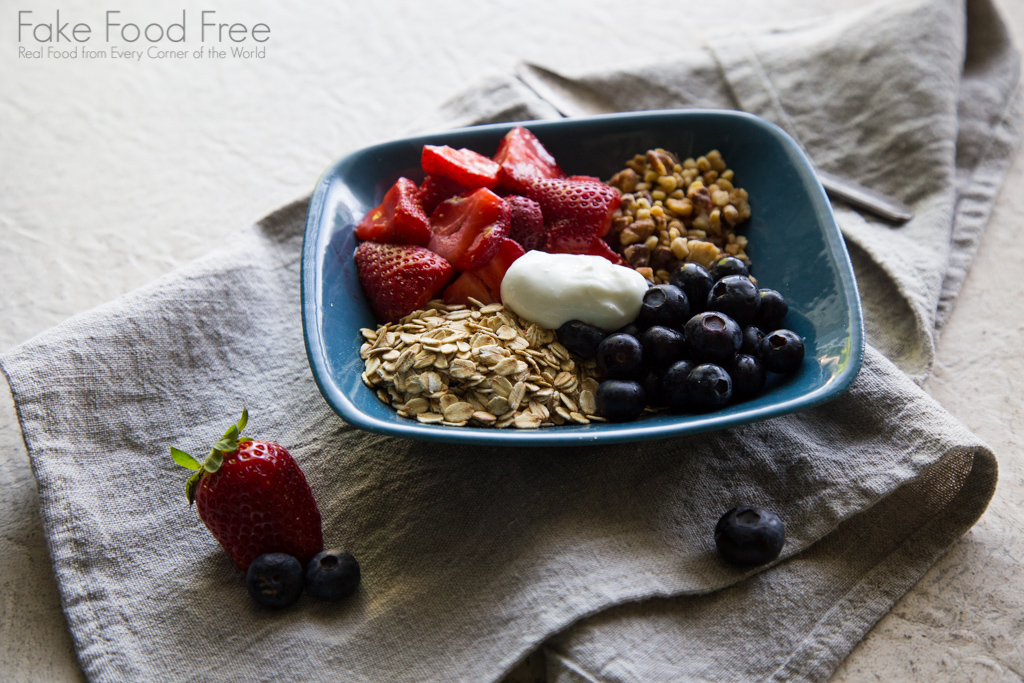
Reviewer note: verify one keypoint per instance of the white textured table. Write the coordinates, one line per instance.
(117, 171)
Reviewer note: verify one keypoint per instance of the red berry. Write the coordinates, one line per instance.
(399, 279)
(467, 286)
(399, 219)
(522, 157)
(494, 271)
(596, 247)
(254, 499)
(435, 189)
(468, 229)
(259, 502)
(464, 166)
(484, 283)
(527, 224)
(575, 210)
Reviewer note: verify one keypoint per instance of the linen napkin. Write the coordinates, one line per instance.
(473, 559)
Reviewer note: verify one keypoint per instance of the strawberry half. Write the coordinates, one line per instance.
(484, 284)
(468, 286)
(555, 244)
(399, 219)
(464, 166)
(399, 278)
(253, 498)
(577, 209)
(468, 229)
(527, 223)
(435, 189)
(494, 272)
(521, 157)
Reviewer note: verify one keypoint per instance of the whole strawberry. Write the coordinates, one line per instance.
(253, 498)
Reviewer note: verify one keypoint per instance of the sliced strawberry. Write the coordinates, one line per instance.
(584, 207)
(465, 286)
(565, 237)
(484, 283)
(527, 225)
(435, 189)
(494, 272)
(601, 248)
(521, 157)
(468, 229)
(399, 278)
(399, 219)
(464, 166)
(596, 247)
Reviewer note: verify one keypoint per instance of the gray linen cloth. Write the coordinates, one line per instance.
(473, 559)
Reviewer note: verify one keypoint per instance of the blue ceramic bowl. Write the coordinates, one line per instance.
(795, 245)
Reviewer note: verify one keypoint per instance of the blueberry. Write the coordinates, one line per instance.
(782, 351)
(737, 297)
(581, 338)
(695, 281)
(663, 346)
(708, 387)
(673, 386)
(620, 400)
(747, 375)
(752, 337)
(274, 580)
(619, 356)
(728, 265)
(712, 337)
(332, 575)
(750, 535)
(771, 311)
(664, 305)
(632, 329)
(653, 390)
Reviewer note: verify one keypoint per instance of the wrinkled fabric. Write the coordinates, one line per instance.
(474, 558)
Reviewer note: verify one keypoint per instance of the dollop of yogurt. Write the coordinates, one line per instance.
(552, 289)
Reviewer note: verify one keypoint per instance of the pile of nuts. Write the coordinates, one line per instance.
(481, 366)
(676, 211)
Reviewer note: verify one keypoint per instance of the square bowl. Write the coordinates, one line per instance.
(794, 244)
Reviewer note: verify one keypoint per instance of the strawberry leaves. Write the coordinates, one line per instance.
(184, 459)
(191, 485)
(226, 444)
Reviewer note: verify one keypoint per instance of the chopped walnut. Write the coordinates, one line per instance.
(674, 211)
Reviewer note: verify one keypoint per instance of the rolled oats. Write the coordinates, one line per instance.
(459, 411)
(478, 366)
(484, 418)
(526, 421)
(506, 366)
(588, 404)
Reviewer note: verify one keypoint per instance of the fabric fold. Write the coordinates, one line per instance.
(463, 552)
(753, 630)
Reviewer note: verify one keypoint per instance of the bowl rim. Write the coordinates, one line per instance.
(606, 433)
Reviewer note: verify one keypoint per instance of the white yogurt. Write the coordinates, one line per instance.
(552, 289)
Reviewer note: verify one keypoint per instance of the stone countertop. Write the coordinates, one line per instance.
(119, 170)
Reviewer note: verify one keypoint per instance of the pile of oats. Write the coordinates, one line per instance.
(479, 366)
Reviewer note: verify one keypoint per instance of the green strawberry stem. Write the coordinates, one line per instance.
(226, 444)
